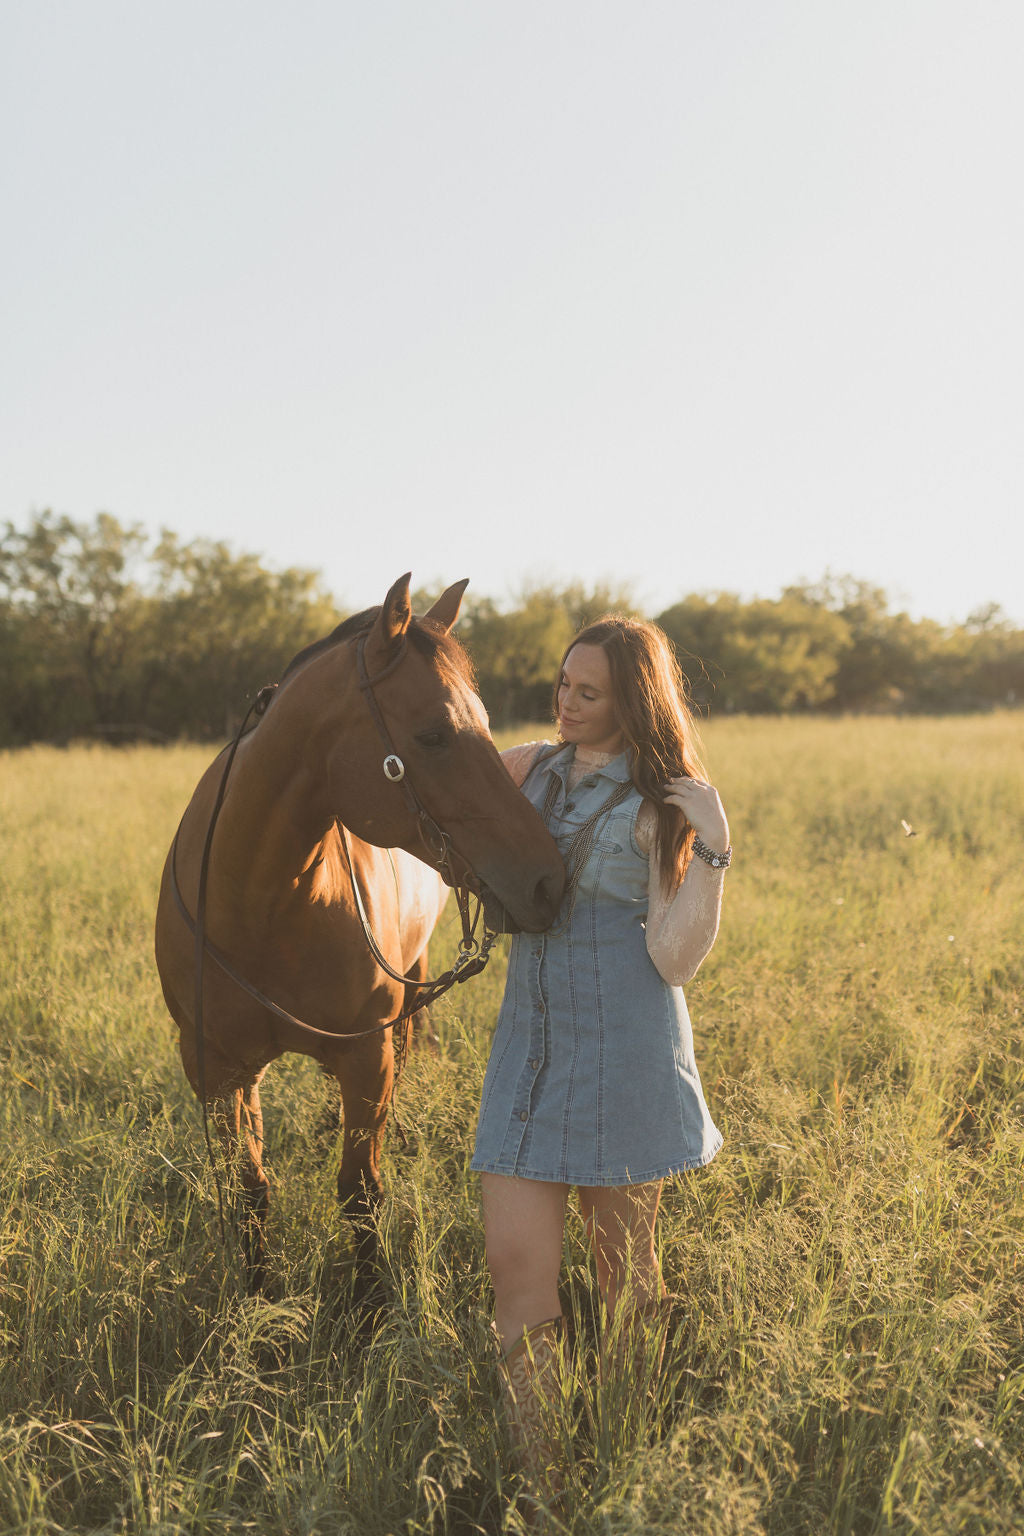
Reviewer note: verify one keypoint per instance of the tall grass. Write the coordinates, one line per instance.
(845, 1350)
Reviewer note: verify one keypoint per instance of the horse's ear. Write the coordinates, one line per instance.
(446, 610)
(391, 623)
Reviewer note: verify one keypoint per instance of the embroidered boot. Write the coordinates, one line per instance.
(531, 1375)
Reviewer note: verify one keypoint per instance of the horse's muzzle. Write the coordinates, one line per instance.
(542, 909)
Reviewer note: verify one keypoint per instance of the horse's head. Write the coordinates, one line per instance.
(413, 754)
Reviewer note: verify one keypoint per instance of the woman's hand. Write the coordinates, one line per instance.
(702, 808)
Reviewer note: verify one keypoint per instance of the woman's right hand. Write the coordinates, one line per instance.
(703, 809)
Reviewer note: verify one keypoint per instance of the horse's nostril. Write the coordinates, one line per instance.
(548, 894)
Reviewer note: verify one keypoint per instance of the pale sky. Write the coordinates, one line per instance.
(691, 296)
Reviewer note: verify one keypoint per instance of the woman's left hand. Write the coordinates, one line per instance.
(702, 808)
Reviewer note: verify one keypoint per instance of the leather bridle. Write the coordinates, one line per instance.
(435, 837)
(473, 954)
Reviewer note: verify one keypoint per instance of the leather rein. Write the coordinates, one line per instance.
(473, 953)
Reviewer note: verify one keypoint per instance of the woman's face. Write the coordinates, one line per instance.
(586, 710)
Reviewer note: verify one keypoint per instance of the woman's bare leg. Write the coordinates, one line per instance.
(620, 1224)
(524, 1220)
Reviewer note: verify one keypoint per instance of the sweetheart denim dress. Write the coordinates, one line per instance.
(591, 1078)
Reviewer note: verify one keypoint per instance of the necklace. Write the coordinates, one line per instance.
(581, 844)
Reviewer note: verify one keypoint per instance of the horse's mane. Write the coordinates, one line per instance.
(356, 624)
(427, 637)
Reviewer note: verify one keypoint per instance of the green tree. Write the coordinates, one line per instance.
(873, 670)
(516, 654)
(765, 655)
(73, 618)
(517, 651)
(98, 633)
(993, 652)
(896, 662)
(221, 626)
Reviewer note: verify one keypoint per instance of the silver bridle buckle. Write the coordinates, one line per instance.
(394, 768)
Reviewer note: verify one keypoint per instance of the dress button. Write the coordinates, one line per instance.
(524, 1115)
(589, 783)
(535, 1063)
(570, 805)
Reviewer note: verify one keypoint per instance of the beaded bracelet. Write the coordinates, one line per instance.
(716, 860)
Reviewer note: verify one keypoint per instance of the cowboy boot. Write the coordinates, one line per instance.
(531, 1376)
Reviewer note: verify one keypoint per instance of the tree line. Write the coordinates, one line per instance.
(107, 632)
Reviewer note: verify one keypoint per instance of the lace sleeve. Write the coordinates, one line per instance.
(520, 759)
(681, 925)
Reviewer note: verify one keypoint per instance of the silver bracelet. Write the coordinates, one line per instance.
(716, 860)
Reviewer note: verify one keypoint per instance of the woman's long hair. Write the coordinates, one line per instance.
(652, 712)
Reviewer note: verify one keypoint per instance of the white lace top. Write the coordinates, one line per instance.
(681, 925)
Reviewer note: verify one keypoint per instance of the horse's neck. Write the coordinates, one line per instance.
(277, 812)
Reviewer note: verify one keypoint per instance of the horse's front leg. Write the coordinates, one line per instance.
(235, 1111)
(255, 1184)
(238, 1117)
(365, 1076)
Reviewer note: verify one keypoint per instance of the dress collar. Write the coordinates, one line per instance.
(600, 764)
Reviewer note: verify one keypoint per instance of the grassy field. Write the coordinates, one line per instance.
(845, 1352)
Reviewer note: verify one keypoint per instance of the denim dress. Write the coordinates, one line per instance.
(591, 1078)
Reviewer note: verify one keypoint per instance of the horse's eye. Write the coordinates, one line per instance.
(431, 738)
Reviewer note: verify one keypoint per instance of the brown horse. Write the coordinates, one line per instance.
(371, 763)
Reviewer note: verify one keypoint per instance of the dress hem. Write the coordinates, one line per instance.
(588, 1181)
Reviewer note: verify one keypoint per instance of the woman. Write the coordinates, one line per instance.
(591, 1081)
